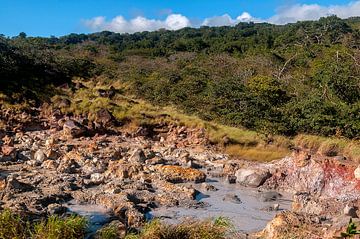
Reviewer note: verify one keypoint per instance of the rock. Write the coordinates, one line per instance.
(57, 209)
(231, 179)
(120, 228)
(9, 154)
(276, 207)
(191, 164)
(208, 187)
(137, 156)
(252, 177)
(357, 173)
(155, 160)
(49, 164)
(63, 103)
(104, 117)
(15, 185)
(232, 198)
(49, 142)
(178, 174)
(107, 93)
(97, 178)
(7, 150)
(7, 140)
(270, 196)
(73, 129)
(350, 211)
(39, 156)
(122, 170)
(24, 155)
(2, 182)
(68, 166)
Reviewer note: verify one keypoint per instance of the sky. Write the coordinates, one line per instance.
(62, 17)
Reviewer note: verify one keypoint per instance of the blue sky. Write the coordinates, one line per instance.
(60, 17)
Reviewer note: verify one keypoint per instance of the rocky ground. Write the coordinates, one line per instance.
(48, 159)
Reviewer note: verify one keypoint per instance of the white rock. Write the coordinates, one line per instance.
(39, 156)
(357, 173)
(252, 177)
(97, 178)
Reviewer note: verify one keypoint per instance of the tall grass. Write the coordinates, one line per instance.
(13, 226)
(330, 146)
(54, 227)
(218, 229)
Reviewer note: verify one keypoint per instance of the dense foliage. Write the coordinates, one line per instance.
(296, 78)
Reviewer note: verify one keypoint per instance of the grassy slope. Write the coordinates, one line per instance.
(241, 143)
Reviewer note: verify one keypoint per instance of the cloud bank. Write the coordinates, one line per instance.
(288, 14)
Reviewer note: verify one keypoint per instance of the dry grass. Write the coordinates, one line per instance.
(261, 154)
(330, 146)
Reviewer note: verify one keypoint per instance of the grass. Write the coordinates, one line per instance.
(108, 232)
(54, 227)
(260, 154)
(219, 228)
(13, 226)
(330, 146)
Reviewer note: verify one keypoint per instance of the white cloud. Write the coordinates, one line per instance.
(292, 13)
(138, 24)
(302, 12)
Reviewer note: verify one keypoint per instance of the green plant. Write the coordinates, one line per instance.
(108, 232)
(73, 227)
(12, 226)
(208, 229)
(351, 230)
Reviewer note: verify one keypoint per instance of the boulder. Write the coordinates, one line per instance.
(252, 177)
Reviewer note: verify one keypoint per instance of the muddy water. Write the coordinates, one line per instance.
(96, 215)
(249, 215)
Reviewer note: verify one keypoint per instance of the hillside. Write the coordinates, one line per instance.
(297, 78)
